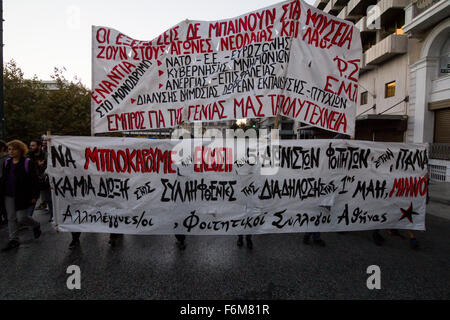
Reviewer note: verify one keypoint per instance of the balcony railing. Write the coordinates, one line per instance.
(359, 7)
(343, 13)
(364, 66)
(440, 151)
(385, 5)
(334, 6)
(328, 6)
(320, 4)
(392, 45)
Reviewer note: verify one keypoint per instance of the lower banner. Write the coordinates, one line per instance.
(235, 186)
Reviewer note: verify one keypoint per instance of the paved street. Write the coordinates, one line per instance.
(280, 266)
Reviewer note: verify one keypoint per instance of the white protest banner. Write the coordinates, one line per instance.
(142, 186)
(288, 59)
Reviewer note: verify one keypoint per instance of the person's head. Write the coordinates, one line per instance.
(3, 147)
(17, 149)
(35, 146)
(44, 145)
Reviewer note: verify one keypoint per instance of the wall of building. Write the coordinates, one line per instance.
(396, 69)
(414, 50)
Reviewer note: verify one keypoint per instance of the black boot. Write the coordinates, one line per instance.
(37, 231)
(11, 245)
(74, 244)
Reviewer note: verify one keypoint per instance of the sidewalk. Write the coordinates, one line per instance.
(440, 192)
(439, 204)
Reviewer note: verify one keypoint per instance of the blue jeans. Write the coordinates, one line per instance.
(30, 210)
(48, 198)
(16, 217)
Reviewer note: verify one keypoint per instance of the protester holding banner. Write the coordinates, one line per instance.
(39, 157)
(20, 190)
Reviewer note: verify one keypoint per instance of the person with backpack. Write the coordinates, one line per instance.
(19, 189)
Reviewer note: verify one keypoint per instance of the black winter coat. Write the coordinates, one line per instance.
(25, 183)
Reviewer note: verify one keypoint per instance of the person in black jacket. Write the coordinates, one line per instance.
(3, 156)
(19, 186)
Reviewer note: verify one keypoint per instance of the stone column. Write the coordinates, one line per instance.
(424, 70)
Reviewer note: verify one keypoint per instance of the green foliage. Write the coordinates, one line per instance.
(31, 109)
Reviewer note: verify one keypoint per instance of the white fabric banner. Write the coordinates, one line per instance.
(142, 186)
(289, 59)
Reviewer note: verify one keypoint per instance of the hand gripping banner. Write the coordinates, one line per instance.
(142, 186)
(289, 59)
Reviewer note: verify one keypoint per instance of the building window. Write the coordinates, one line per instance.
(444, 60)
(287, 126)
(363, 98)
(389, 89)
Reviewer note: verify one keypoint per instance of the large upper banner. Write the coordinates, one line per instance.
(289, 59)
(142, 186)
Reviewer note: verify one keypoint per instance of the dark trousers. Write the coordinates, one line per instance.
(315, 235)
(76, 235)
(180, 237)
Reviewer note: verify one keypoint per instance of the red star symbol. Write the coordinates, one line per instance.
(408, 213)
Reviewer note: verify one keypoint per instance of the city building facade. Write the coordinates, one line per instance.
(428, 23)
(404, 82)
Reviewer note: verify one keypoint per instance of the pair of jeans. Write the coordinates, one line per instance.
(30, 210)
(48, 198)
(16, 217)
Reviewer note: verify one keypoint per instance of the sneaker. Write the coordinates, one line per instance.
(74, 244)
(37, 231)
(249, 244)
(306, 239)
(377, 239)
(11, 245)
(414, 244)
(319, 242)
(240, 242)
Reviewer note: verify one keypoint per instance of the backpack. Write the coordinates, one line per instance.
(27, 164)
